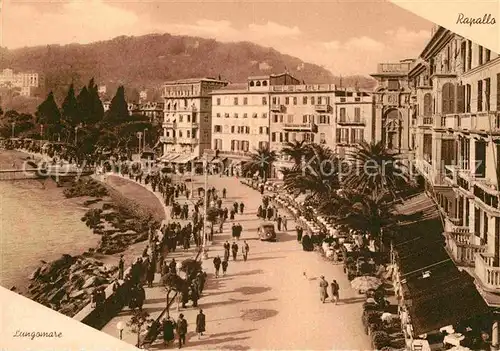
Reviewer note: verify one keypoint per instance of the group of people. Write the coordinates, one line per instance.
(180, 327)
(323, 290)
(233, 248)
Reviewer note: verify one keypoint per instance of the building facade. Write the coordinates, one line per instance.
(25, 82)
(187, 117)
(455, 137)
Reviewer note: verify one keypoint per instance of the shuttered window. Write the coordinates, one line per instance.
(498, 91)
(427, 147)
(393, 84)
(460, 98)
(487, 89)
(448, 99)
(480, 159)
(468, 96)
(480, 96)
(338, 136)
(353, 135)
(448, 151)
(427, 105)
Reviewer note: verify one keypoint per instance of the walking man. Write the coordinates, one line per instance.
(181, 330)
(200, 324)
(335, 291)
(242, 207)
(225, 263)
(217, 262)
(299, 233)
(323, 286)
(121, 267)
(284, 222)
(244, 250)
(234, 249)
(224, 193)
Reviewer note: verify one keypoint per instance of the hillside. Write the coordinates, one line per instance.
(147, 61)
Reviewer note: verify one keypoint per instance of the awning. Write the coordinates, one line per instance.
(447, 304)
(185, 159)
(169, 157)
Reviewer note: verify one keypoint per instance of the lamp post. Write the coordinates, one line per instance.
(139, 136)
(205, 168)
(120, 326)
(144, 143)
(76, 134)
(13, 128)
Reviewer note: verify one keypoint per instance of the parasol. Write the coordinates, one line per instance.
(365, 283)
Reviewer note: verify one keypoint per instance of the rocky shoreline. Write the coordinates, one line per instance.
(66, 284)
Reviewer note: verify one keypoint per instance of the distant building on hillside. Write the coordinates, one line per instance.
(25, 82)
(102, 90)
(143, 95)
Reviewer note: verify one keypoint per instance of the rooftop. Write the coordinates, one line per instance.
(194, 80)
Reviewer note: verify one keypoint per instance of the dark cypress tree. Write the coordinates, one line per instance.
(49, 115)
(118, 110)
(83, 101)
(69, 109)
(95, 103)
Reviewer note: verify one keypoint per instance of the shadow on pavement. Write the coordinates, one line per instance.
(352, 300)
(264, 258)
(258, 314)
(230, 301)
(252, 272)
(209, 341)
(252, 290)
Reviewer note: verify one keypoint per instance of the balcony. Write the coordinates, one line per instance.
(461, 248)
(278, 108)
(427, 121)
(308, 127)
(487, 272)
(351, 121)
(187, 140)
(183, 109)
(400, 67)
(167, 140)
(170, 125)
(322, 108)
(451, 173)
(235, 153)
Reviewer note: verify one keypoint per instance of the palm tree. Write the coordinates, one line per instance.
(296, 150)
(318, 175)
(261, 161)
(374, 169)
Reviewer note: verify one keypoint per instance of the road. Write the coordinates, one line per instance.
(267, 302)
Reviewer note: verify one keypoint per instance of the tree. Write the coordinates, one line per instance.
(137, 321)
(296, 150)
(118, 110)
(212, 215)
(318, 174)
(374, 169)
(261, 161)
(83, 105)
(96, 109)
(48, 114)
(69, 112)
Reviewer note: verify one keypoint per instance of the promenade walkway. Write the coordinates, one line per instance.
(267, 302)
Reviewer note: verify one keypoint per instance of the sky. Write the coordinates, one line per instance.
(344, 36)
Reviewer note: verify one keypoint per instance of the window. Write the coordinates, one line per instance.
(180, 133)
(357, 99)
(181, 117)
(287, 100)
(257, 84)
(247, 129)
(319, 100)
(463, 54)
(342, 99)
(487, 87)
(267, 130)
(448, 98)
(460, 98)
(357, 114)
(479, 96)
(264, 115)
(226, 115)
(254, 115)
(342, 135)
(427, 148)
(281, 137)
(498, 92)
(305, 118)
(235, 101)
(427, 105)
(188, 133)
(264, 83)
(252, 83)
(273, 136)
(312, 100)
(245, 101)
(393, 84)
(260, 130)
(342, 114)
(286, 136)
(295, 100)
(218, 115)
(480, 55)
(217, 129)
(322, 139)
(264, 100)
(468, 96)
(289, 119)
(324, 119)
(235, 115)
(487, 55)
(188, 118)
(218, 101)
(294, 137)
(232, 129)
(281, 118)
(275, 119)
(245, 115)
(304, 100)
(469, 55)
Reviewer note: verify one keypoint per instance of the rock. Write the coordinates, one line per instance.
(13, 288)
(35, 273)
(90, 282)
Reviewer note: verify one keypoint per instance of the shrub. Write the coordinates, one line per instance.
(380, 339)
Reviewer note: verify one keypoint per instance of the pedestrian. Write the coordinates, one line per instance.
(323, 286)
(225, 263)
(335, 291)
(181, 330)
(299, 233)
(284, 222)
(231, 214)
(227, 247)
(217, 263)
(194, 295)
(200, 324)
(234, 249)
(235, 207)
(224, 193)
(278, 220)
(121, 267)
(173, 266)
(168, 327)
(245, 250)
(242, 207)
(151, 274)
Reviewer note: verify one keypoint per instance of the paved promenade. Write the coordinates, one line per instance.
(266, 302)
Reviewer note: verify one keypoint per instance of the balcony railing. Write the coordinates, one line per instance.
(322, 107)
(310, 127)
(488, 273)
(461, 248)
(477, 121)
(427, 121)
(187, 140)
(351, 121)
(169, 125)
(451, 173)
(235, 153)
(168, 140)
(181, 109)
(278, 108)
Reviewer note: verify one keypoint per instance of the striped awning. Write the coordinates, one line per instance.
(185, 159)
